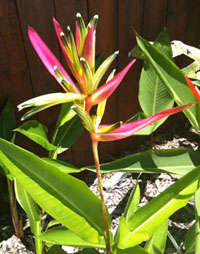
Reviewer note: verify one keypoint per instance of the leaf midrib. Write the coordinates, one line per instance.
(85, 215)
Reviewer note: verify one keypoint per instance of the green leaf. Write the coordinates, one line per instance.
(133, 202)
(32, 211)
(66, 114)
(133, 250)
(36, 132)
(63, 166)
(197, 225)
(146, 220)
(173, 79)
(55, 249)
(190, 239)
(64, 197)
(156, 245)
(29, 206)
(163, 43)
(52, 223)
(99, 60)
(68, 133)
(7, 122)
(174, 161)
(153, 94)
(63, 236)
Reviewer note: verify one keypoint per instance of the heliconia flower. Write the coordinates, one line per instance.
(80, 55)
(128, 129)
(193, 89)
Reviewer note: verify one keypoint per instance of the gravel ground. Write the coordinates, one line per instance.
(117, 188)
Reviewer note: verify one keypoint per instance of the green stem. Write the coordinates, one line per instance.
(96, 159)
(13, 208)
(38, 243)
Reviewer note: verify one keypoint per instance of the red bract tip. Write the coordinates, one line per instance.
(103, 92)
(129, 129)
(48, 58)
(193, 89)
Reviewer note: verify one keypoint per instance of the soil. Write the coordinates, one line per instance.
(117, 188)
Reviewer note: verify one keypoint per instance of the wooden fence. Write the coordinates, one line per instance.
(23, 76)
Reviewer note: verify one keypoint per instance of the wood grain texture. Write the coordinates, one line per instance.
(14, 75)
(14, 70)
(155, 16)
(183, 24)
(38, 14)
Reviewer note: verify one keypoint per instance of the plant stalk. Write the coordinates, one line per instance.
(96, 159)
(13, 208)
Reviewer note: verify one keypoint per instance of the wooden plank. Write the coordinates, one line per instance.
(183, 24)
(81, 150)
(130, 15)
(38, 14)
(14, 73)
(106, 41)
(155, 14)
(14, 76)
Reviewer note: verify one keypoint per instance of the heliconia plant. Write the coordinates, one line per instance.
(84, 217)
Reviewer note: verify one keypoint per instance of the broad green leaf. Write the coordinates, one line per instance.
(173, 79)
(133, 250)
(146, 220)
(64, 197)
(174, 161)
(7, 125)
(68, 133)
(153, 94)
(29, 206)
(133, 202)
(66, 114)
(197, 225)
(36, 132)
(163, 43)
(99, 60)
(190, 239)
(32, 211)
(63, 236)
(63, 166)
(156, 244)
(55, 250)
(7, 122)
(52, 223)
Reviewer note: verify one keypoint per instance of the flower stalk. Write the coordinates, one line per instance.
(103, 205)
